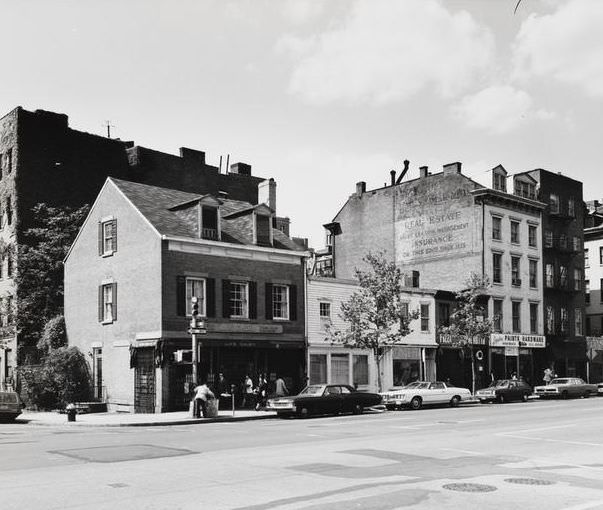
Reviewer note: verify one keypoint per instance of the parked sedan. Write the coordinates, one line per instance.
(565, 387)
(420, 393)
(600, 388)
(10, 405)
(324, 399)
(505, 390)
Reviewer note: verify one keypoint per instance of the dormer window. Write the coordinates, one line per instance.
(209, 223)
(499, 179)
(263, 230)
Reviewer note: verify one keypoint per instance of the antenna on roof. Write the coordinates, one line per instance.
(227, 162)
(220, 167)
(109, 126)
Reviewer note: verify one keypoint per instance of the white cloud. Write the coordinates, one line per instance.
(566, 45)
(301, 11)
(498, 109)
(386, 51)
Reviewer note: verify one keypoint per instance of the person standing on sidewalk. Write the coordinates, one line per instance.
(262, 392)
(221, 388)
(202, 395)
(280, 389)
(247, 392)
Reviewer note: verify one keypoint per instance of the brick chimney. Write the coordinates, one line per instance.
(423, 171)
(360, 188)
(267, 193)
(452, 168)
(240, 168)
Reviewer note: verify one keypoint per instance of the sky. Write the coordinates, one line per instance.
(321, 94)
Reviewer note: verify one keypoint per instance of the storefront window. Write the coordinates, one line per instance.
(405, 371)
(318, 368)
(340, 369)
(360, 369)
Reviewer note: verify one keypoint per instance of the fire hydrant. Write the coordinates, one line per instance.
(71, 412)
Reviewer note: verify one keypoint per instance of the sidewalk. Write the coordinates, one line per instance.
(136, 420)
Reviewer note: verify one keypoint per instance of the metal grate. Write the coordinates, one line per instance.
(469, 487)
(529, 481)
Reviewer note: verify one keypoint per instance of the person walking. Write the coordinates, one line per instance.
(202, 395)
(548, 375)
(280, 388)
(221, 388)
(247, 392)
(262, 390)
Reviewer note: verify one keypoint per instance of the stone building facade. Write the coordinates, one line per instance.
(141, 255)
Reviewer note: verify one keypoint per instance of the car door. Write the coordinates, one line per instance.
(349, 399)
(331, 402)
(513, 392)
(436, 393)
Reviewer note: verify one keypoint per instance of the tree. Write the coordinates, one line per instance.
(54, 335)
(468, 323)
(376, 317)
(39, 275)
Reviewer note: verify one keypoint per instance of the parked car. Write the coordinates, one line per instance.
(419, 393)
(600, 388)
(10, 405)
(324, 399)
(504, 390)
(565, 387)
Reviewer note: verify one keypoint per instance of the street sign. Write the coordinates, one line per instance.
(197, 331)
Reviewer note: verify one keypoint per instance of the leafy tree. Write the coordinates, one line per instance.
(468, 323)
(375, 315)
(54, 335)
(39, 275)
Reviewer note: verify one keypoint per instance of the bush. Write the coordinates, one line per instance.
(54, 334)
(64, 377)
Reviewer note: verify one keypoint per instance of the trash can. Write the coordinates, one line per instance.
(71, 412)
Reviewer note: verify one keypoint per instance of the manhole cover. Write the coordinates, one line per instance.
(528, 481)
(469, 487)
(122, 453)
(118, 485)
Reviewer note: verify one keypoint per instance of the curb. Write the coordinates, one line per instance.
(189, 421)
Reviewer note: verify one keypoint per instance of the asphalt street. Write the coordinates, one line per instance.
(539, 454)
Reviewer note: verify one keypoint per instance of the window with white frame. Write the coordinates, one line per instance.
(578, 322)
(425, 317)
(239, 300)
(108, 237)
(107, 295)
(532, 236)
(324, 310)
(280, 302)
(195, 287)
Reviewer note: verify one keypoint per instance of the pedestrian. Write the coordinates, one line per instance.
(514, 376)
(247, 391)
(202, 395)
(262, 390)
(548, 376)
(221, 388)
(280, 389)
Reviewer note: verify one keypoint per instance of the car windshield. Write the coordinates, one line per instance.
(501, 384)
(560, 381)
(315, 389)
(418, 385)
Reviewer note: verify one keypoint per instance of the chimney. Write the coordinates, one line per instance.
(452, 168)
(360, 188)
(192, 156)
(423, 171)
(267, 193)
(240, 168)
(403, 172)
(392, 173)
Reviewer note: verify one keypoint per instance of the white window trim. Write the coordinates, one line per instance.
(104, 223)
(245, 285)
(286, 309)
(203, 310)
(324, 317)
(107, 284)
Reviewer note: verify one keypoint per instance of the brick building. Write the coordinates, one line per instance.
(140, 256)
(42, 159)
(442, 227)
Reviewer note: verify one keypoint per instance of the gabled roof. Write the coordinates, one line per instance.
(157, 206)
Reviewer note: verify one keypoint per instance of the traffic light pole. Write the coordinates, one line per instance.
(195, 361)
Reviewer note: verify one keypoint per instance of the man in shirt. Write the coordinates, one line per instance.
(202, 395)
(280, 389)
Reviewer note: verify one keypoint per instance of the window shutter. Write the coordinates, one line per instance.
(181, 296)
(100, 238)
(225, 298)
(253, 300)
(115, 235)
(100, 303)
(268, 301)
(292, 302)
(114, 301)
(210, 297)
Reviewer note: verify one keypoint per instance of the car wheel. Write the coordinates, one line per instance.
(524, 397)
(416, 403)
(454, 401)
(358, 409)
(587, 394)
(304, 412)
(500, 399)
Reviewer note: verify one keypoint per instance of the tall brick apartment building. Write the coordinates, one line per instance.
(42, 159)
(141, 255)
(442, 227)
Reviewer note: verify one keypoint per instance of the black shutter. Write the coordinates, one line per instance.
(115, 235)
(225, 298)
(181, 296)
(100, 238)
(253, 300)
(100, 303)
(268, 301)
(114, 301)
(292, 302)
(210, 297)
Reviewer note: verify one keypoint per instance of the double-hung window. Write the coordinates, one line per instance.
(325, 310)
(280, 302)
(496, 228)
(516, 315)
(107, 242)
(496, 267)
(578, 322)
(549, 275)
(554, 203)
(514, 232)
(577, 279)
(107, 305)
(532, 236)
(563, 277)
(239, 300)
(195, 287)
(563, 320)
(533, 273)
(533, 318)
(550, 319)
(425, 317)
(515, 272)
(498, 315)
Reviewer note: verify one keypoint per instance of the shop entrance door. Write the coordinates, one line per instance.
(144, 381)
